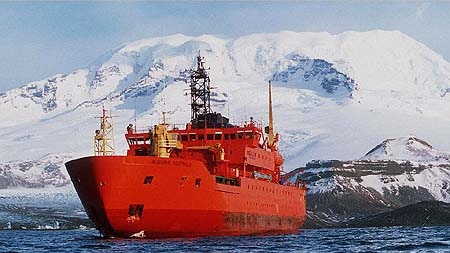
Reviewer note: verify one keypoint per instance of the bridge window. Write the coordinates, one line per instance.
(209, 136)
(184, 137)
(249, 135)
(201, 137)
(227, 181)
(218, 137)
(240, 135)
(226, 136)
(192, 137)
(233, 136)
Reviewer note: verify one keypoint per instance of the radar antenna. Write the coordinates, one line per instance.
(200, 90)
(201, 114)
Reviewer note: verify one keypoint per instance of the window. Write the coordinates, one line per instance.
(227, 181)
(226, 136)
(249, 135)
(184, 137)
(218, 137)
(201, 137)
(148, 179)
(197, 182)
(240, 135)
(183, 180)
(192, 137)
(209, 136)
(233, 136)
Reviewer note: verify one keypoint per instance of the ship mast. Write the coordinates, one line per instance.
(200, 91)
(104, 137)
(270, 132)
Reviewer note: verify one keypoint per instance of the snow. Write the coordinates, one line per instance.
(40, 173)
(435, 179)
(323, 185)
(400, 90)
(407, 149)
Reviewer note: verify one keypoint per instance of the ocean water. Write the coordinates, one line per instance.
(396, 239)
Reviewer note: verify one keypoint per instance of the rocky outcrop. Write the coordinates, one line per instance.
(339, 191)
(305, 72)
(426, 213)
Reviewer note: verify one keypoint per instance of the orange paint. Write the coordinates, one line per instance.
(208, 179)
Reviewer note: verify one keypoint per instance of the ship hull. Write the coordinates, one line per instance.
(154, 197)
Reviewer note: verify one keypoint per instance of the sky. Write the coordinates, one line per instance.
(42, 39)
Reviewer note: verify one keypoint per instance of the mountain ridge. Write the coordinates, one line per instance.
(408, 149)
(147, 76)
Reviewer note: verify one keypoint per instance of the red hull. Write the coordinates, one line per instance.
(157, 197)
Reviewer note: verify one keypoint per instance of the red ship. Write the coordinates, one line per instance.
(212, 178)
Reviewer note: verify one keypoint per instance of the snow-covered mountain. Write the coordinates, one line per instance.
(335, 95)
(34, 173)
(412, 172)
(407, 149)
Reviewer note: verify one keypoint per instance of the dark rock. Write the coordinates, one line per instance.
(426, 213)
(306, 70)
